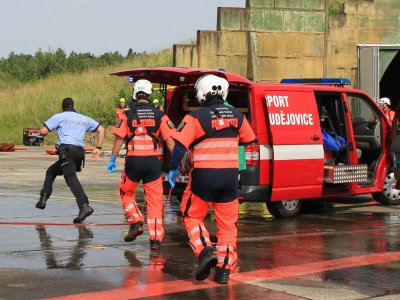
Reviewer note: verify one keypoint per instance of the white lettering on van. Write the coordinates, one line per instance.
(277, 101)
(291, 119)
(283, 118)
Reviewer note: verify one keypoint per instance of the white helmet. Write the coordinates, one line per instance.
(384, 100)
(143, 86)
(209, 85)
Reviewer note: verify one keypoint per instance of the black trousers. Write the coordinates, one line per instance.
(69, 162)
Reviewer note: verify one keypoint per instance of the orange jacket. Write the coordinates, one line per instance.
(118, 113)
(141, 127)
(214, 133)
(389, 114)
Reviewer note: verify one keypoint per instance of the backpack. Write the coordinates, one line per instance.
(333, 142)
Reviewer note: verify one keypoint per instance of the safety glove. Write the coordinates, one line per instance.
(112, 166)
(172, 176)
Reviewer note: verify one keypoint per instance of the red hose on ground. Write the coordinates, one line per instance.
(63, 224)
(166, 202)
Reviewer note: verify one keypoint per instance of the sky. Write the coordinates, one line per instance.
(99, 26)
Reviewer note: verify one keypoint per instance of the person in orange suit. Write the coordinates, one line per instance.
(384, 104)
(212, 133)
(120, 109)
(140, 129)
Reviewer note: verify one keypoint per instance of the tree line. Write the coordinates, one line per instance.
(26, 67)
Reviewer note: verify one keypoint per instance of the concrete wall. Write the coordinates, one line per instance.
(361, 22)
(272, 39)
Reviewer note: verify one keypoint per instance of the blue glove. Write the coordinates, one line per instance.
(172, 176)
(112, 166)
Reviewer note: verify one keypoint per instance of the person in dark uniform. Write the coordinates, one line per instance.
(212, 134)
(71, 129)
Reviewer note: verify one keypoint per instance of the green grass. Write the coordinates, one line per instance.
(94, 92)
(7, 82)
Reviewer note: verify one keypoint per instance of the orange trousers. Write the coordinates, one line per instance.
(153, 192)
(194, 210)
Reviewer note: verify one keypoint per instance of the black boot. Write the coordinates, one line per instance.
(207, 260)
(155, 245)
(84, 211)
(221, 275)
(135, 230)
(41, 204)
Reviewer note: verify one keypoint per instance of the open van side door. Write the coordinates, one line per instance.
(297, 151)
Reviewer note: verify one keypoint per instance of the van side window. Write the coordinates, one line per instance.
(367, 131)
(366, 123)
(360, 109)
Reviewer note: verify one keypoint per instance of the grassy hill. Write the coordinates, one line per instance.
(94, 91)
(6, 81)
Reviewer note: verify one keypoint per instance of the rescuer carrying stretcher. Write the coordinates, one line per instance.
(140, 128)
(212, 133)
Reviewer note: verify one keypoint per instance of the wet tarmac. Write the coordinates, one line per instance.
(349, 249)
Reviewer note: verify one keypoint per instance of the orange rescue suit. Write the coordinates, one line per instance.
(389, 114)
(213, 133)
(142, 127)
(118, 113)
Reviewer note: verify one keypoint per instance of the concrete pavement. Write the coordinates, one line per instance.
(350, 251)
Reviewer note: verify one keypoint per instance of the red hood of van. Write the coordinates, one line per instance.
(178, 76)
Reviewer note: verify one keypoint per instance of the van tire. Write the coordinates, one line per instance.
(284, 209)
(389, 195)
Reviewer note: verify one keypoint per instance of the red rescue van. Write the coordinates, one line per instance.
(288, 162)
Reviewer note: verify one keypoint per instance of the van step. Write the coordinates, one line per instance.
(345, 173)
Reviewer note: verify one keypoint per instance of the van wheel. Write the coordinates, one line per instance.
(389, 195)
(284, 209)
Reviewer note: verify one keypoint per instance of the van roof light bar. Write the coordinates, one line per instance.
(322, 81)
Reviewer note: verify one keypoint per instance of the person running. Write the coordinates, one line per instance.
(71, 129)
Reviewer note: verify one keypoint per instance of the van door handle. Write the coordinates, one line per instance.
(315, 138)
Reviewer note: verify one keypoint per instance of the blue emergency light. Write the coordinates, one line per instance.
(131, 78)
(327, 81)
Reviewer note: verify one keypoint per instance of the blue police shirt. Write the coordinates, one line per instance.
(71, 127)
